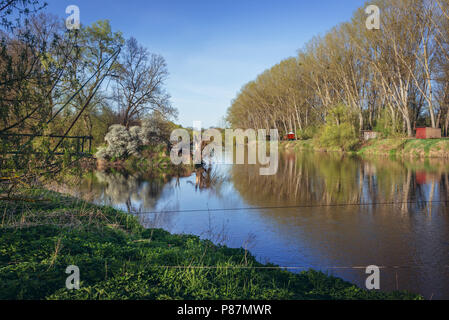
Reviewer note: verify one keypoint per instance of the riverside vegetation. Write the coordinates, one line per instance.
(393, 147)
(42, 64)
(119, 259)
(350, 79)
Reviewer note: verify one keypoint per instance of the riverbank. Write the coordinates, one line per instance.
(119, 259)
(152, 161)
(411, 148)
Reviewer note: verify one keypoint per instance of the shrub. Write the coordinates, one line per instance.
(340, 130)
(156, 129)
(122, 143)
(307, 133)
(386, 126)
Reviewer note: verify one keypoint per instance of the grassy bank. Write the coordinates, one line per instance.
(119, 259)
(427, 148)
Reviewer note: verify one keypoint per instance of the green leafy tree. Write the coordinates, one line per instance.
(340, 129)
(97, 44)
(33, 60)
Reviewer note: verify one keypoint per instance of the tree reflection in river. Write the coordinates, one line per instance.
(386, 216)
(132, 193)
(139, 193)
(328, 179)
(207, 177)
(393, 213)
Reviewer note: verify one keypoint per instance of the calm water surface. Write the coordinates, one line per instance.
(320, 211)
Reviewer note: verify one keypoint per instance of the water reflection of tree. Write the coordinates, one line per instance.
(323, 179)
(207, 177)
(134, 191)
(300, 179)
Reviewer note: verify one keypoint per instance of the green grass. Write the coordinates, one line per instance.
(417, 148)
(393, 147)
(119, 259)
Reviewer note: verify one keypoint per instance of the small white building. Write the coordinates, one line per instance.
(369, 135)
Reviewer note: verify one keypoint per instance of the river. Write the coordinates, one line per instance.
(329, 212)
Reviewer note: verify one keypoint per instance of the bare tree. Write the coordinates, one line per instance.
(140, 84)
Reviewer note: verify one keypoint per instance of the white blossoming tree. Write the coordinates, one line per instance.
(122, 143)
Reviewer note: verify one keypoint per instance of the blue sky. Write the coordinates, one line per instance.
(214, 47)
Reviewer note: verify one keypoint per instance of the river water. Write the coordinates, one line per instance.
(329, 212)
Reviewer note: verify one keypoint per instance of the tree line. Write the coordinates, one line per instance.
(391, 80)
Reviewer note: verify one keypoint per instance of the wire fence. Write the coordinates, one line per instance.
(371, 204)
(64, 203)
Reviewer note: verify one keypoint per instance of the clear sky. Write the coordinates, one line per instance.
(214, 47)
